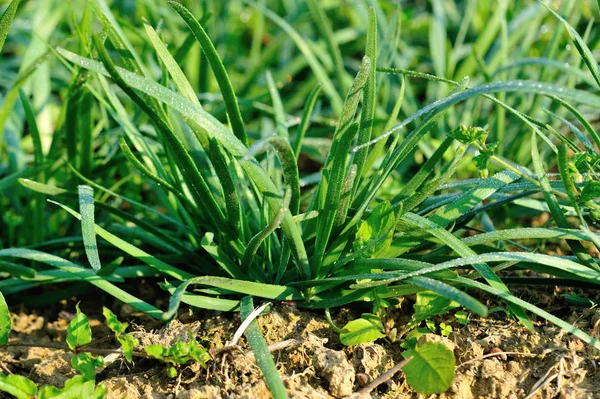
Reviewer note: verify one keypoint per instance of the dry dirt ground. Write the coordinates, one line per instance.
(546, 364)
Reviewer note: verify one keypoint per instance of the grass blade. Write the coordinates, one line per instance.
(231, 104)
(86, 208)
(83, 274)
(261, 352)
(6, 20)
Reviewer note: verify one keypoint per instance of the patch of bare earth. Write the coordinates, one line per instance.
(496, 358)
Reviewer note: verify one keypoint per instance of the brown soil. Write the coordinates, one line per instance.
(546, 364)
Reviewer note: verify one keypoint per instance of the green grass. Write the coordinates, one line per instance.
(193, 123)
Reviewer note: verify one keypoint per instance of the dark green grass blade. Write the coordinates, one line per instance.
(6, 20)
(261, 352)
(231, 104)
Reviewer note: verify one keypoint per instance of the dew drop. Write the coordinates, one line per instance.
(566, 64)
(520, 84)
(568, 47)
(560, 89)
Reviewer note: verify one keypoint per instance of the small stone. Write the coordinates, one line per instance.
(362, 379)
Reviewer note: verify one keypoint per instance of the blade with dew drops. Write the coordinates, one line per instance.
(582, 48)
(6, 20)
(86, 208)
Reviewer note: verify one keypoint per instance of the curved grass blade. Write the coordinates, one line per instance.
(182, 83)
(132, 249)
(534, 309)
(6, 20)
(524, 234)
(258, 239)
(584, 122)
(269, 291)
(456, 244)
(83, 274)
(582, 48)
(205, 302)
(86, 208)
(261, 352)
(452, 293)
(16, 270)
(518, 86)
(231, 104)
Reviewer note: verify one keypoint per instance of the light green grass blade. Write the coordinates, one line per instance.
(231, 104)
(582, 48)
(305, 121)
(516, 86)
(323, 25)
(182, 83)
(83, 274)
(86, 208)
(205, 302)
(6, 20)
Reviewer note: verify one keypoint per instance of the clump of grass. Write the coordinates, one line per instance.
(219, 201)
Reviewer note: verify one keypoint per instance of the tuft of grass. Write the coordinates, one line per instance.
(427, 179)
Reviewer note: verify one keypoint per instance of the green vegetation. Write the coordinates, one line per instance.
(323, 153)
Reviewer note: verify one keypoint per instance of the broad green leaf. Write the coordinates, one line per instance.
(112, 322)
(590, 191)
(5, 323)
(378, 226)
(86, 364)
(18, 386)
(431, 369)
(6, 19)
(368, 328)
(79, 332)
(429, 304)
(86, 208)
